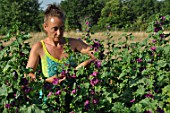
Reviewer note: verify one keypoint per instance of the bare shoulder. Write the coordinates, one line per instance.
(76, 41)
(37, 47)
(78, 44)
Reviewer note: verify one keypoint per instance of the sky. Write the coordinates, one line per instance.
(46, 2)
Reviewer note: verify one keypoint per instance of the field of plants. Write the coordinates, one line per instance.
(128, 77)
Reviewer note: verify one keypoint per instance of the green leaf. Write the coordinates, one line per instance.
(6, 68)
(86, 85)
(166, 90)
(122, 74)
(140, 91)
(162, 63)
(3, 91)
(167, 49)
(5, 111)
(37, 110)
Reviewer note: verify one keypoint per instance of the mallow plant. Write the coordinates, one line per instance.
(126, 77)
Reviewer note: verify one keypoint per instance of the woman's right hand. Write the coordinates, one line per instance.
(51, 79)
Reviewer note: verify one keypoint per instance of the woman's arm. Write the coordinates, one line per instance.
(85, 49)
(51, 79)
(85, 63)
(33, 59)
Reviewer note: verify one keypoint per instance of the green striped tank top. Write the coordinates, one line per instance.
(50, 65)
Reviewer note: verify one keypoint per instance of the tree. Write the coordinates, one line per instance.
(77, 11)
(116, 13)
(166, 5)
(21, 13)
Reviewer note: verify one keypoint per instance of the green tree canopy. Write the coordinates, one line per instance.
(23, 13)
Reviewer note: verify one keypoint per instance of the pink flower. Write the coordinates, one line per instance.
(157, 29)
(94, 81)
(149, 111)
(63, 72)
(108, 26)
(55, 81)
(58, 92)
(153, 48)
(97, 63)
(87, 104)
(132, 101)
(71, 112)
(95, 101)
(87, 23)
(153, 41)
(163, 17)
(94, 73)
(73, 91)
(73, 76)
(139, 60)
(7, 106)
(148, 95)
(49, 94)
(92, 92)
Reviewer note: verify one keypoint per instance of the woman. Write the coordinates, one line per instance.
(50, 50)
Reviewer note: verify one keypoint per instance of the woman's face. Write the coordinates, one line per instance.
(54, 28)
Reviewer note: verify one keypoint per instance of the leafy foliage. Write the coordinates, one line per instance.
(128, 78)
(26, 14)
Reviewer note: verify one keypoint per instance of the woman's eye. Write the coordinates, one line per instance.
(62, 28)
(55, 28)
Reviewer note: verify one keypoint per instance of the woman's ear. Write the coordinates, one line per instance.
(45, 26)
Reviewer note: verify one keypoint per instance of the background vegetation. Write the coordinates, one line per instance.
(129, 77)
(131, 14)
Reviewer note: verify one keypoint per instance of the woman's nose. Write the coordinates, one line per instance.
(58, 32)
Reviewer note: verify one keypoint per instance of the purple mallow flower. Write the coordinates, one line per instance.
(96, 45)
(97, 63)
(148, 95)
(87, 23)
(153, 48)
(55, 81)
(94, 73)
(73, 91)
(95, 101)
(63, 72)
(49, 94)
(139, 60)
(71, 112)
(92, 92)
(108, 26)
(159, 110)
(94, 81)
(27, 89)
(132, 101)
(148, 111)
(58, 92)
(154, 41)
(7, 106)
(157, 29)
(163, 17)
(73, 76)
(87, 104)
(162, 35)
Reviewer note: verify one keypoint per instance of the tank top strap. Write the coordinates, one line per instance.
(44, 48)
(47, 54)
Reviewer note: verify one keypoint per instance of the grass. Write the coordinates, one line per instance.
(139, 36)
